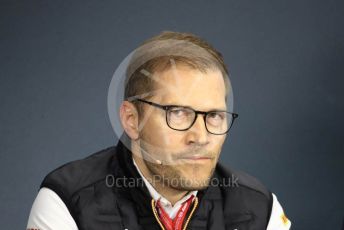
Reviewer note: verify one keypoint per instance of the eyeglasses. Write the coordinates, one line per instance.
(182, 118)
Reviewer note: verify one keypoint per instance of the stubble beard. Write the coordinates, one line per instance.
(177, 175)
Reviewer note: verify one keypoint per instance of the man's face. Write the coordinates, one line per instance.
(188, 157)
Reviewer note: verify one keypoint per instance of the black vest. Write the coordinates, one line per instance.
(99, 195)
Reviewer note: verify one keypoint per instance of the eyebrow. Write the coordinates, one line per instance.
(190, 107)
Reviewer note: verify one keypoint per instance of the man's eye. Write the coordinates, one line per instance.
(178, 112)
(216, 116)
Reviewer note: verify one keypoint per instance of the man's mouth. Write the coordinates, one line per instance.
(196, 158)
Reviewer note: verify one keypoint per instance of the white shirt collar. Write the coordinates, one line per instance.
(168, 207)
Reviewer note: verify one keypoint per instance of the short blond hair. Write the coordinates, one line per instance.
(156, 53)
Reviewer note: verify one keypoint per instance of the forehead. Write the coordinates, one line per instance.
(183, 85)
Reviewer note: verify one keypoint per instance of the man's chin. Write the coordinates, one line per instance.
(193, 186)
(197, 178)
(188, 184)
(186, 177)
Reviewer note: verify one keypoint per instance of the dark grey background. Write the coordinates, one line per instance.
(286, 61)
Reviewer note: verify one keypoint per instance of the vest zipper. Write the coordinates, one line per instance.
(192, 211)
(156, 214)
(187, 220)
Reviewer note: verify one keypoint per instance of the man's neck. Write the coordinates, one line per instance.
(171, 194)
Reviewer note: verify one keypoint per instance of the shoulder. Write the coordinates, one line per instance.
(73, 176)
(278, 219)
(49, 211)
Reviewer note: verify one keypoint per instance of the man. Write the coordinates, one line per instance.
(164, 172)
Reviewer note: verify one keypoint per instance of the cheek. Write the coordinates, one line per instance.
(217, 143)
(219, 139)
(170, 139)
(174, 139)
(155, 132)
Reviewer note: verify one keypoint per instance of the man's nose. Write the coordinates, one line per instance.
(198, 132)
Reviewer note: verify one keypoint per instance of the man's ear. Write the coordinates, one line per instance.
(129, 119)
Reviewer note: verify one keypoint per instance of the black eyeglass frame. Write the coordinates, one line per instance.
(167, 107)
